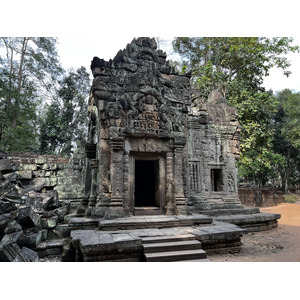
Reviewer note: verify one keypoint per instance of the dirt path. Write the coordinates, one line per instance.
(281, 244)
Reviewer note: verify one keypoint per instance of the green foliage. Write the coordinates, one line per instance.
(285, 142)
(227, 62)
(65, 120)
(236, 67)
(29, 70)
(292, 120)
(291, 198)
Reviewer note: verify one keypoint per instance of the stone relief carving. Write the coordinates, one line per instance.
(141, 101)
(231, 183)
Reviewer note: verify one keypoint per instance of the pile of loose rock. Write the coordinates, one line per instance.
(28, 214)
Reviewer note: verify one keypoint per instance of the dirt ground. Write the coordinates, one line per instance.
(281, 244)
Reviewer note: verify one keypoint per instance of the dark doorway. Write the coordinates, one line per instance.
(145, 182)
(216, 180)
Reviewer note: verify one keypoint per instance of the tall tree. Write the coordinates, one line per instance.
(286, 139)
(29, 73)
(65, 120)
(236, 67)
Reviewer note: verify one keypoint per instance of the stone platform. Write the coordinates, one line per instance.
(126, 245)
(121, 239)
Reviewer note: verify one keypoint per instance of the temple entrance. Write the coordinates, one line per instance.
(146, 183)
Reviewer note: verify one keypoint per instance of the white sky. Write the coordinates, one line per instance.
(79, 51)
(101, 28)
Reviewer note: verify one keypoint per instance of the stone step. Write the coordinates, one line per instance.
(168, 238)
(172, 246)
(147, 211)
(163, 221)
(175, 255)
(51, 247)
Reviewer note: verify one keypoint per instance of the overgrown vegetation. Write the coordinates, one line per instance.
(236, 67)
(34, 88)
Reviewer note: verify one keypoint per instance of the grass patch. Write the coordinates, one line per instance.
(291, 198)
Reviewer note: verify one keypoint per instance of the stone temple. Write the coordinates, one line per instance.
(155, 181)
(155, 146)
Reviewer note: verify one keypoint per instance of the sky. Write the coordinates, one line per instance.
(101, 28)
(79, 51)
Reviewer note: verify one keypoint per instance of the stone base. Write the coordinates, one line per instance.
(113, 213)
(252, 222)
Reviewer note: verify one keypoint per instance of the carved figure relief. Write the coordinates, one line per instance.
(231, 183)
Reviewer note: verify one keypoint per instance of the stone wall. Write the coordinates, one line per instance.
(52, 172)
(260, 197)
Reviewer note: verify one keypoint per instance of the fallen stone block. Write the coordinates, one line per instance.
(4, 220)
(7, 207)
(12, 226)
(60, 212)
(5, 166)
(39, 183)
(47, 200)
(34, 200)
(30, 254)
(48, 223)
(50, 199)
(11, 177)
(30, 238)
(14, 198)
(10, 250)
(27, 217)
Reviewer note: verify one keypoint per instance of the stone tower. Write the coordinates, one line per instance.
(154, 144)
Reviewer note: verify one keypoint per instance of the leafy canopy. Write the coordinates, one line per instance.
(236, 67)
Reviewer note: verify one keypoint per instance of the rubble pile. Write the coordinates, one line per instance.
(29, 213)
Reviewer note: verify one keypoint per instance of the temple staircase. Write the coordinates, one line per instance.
(173, 248)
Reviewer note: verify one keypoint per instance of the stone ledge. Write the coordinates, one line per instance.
(252, 222)
(163, 221)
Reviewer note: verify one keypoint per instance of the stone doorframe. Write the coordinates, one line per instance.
(160, 190)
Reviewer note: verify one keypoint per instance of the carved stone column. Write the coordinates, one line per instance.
(117, 180)
(180, 199)
(126, 201)
(94, 182)
(170, 205)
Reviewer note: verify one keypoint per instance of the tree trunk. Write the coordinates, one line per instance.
(20, 76)
(10, 57)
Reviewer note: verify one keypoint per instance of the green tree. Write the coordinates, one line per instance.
(286, 139)
(236, 67)
(65, 120)
(231, 62)
(28, 76)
